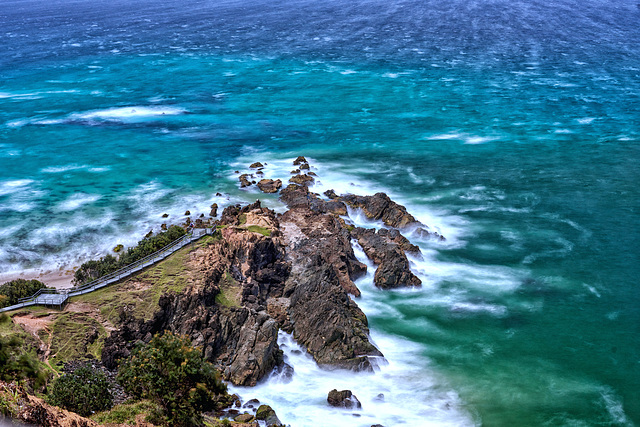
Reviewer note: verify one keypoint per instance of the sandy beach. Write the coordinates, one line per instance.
(59, 279)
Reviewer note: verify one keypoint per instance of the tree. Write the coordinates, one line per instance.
(11, 291)
(171, 372)
(83, 391)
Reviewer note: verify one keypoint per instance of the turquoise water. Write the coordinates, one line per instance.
(511, 127)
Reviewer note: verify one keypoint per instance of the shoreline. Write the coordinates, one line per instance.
(58, 279)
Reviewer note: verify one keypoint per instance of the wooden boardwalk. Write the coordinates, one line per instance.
(57, 298)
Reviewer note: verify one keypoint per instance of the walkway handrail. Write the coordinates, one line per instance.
(117, 275)
(38, 293)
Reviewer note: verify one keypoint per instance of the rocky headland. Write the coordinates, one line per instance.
(262, 272)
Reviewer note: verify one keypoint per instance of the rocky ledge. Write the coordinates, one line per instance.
(264, 272)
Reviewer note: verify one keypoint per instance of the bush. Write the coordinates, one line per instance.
(92, 270)
(11, 291)
(15, 363)
(172, 373)
(83, 391)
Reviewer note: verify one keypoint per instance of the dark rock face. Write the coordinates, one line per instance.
(381, 207)
(343, 399)
(299, 195)
(382, 248)
(323, 266)
(269, 185)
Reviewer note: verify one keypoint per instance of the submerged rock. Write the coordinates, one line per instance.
(343, 399)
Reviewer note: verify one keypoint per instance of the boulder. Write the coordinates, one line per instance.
(244, 418)
(269, 185)
(304, 166)
(343, 399)
(163, 227)
(299, 160)
(165, 215)
(268, 415)
(214, 210)
(256, 165)
(303, 179)
(295, 171)
(244, 181)
(187, 213)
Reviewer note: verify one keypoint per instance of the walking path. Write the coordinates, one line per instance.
(57, 298)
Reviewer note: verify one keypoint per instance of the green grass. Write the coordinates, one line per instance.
(125, 413)
(242, 219)
(168, 275)
(258, 229)
(230, 292)
(75, 336)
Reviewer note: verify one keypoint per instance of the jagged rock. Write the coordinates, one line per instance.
(299, 160)
(325, 320)
(312, 174)
(165, 215)
(163, 227)
(304, 166)
(260, 173)
(303, 179)
(218, 194)
(298, 195)
(244, 182)
(149, 234)
(269, 185)
(244, 418)
(214, 210)
(268, 415)
(256, 165)
(295, 171)
(343, 399)
(187, 213)
(393, 266)
(381, 207)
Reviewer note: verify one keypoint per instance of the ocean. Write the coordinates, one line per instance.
(511, 127)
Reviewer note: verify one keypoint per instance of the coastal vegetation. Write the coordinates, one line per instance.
(94, 269)
(11, 292)
(83, 391)
(172, 373)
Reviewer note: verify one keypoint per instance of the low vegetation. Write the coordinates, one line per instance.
(17, 362)
(172, 373)
(94, 269)
(12, 291)
(83, 391)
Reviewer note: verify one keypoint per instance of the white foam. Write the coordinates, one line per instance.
(76, 201)
(61, 169)
(133, 113)
(9, 187)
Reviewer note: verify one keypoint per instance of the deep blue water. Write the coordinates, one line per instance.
(511, 127)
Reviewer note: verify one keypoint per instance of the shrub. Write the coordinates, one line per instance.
(93, 269)
(16, 289)
(83, 391)
(172, 373)
(16, 364)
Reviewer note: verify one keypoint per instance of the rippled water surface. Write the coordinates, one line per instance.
(510, 127)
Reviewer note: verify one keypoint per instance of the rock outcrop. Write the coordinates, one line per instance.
(269, 185)
(387, 249)
(380, 207)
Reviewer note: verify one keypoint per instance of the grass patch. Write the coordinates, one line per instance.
(257, 229)
(242, 219)
(168, 275)
(230, 292)
(125, 413)
(75, 336)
